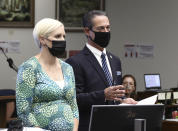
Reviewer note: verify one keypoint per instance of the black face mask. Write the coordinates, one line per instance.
(101, 38)
(58, 47)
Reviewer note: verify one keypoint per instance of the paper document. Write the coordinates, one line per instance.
(28, 129)
(172, 120)
(148, 101)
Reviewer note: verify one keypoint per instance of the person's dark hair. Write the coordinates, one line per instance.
(15, 125)
(131, 76)
(87, 18)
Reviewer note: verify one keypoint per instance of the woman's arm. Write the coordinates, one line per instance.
(72, 98)
(25, 86)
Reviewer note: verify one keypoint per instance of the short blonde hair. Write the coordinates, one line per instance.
(44, 27)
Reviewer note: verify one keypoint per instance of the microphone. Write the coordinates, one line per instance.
(10, 61)
(3, 52)
(128, 88)
(2, 49)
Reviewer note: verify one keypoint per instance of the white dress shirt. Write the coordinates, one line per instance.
(97, 53)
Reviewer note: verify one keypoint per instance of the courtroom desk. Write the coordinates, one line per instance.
(3, 102)
(169, 125)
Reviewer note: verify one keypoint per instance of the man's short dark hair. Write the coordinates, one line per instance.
(87, 18)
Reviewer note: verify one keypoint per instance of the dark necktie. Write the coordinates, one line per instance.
(105, 69)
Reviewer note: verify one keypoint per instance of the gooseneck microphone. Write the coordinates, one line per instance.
(10, 61)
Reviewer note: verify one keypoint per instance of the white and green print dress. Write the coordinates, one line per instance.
(42, 102)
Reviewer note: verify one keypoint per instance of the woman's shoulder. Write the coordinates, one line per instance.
(65, 66)
(31, 62)
(63, 63)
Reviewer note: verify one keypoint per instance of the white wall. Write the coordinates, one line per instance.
(138, 21)
(147, 21)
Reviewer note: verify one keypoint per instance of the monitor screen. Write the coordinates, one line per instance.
(121, 117)
(152, 81)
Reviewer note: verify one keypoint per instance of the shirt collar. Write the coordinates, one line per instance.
(94, 50)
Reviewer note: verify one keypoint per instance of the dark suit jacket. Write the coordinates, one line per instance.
(91, 82)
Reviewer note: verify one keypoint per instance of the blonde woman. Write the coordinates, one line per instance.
(45, 88)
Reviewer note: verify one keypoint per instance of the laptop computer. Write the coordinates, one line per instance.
(152, 81)
(121, 117)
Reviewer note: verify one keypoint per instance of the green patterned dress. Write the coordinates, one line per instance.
(41, 102)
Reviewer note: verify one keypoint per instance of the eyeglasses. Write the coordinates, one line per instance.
(128, 83)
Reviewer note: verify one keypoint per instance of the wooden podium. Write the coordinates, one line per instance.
(170, 125)
(3, 102)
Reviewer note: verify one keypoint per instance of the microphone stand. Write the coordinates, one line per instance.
(10, 61)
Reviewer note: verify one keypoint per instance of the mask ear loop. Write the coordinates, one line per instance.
(47, 40)
(89, 37)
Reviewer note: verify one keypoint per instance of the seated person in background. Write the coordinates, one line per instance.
(129, 82)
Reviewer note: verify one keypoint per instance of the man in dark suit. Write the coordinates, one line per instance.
(94, 86)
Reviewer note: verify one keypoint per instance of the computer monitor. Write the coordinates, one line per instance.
(152, 81)
(121, 117)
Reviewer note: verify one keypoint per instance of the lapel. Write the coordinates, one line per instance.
(94, 62)
(113, 68)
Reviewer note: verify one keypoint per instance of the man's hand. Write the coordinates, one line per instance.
(114, 92)
(129, 101)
